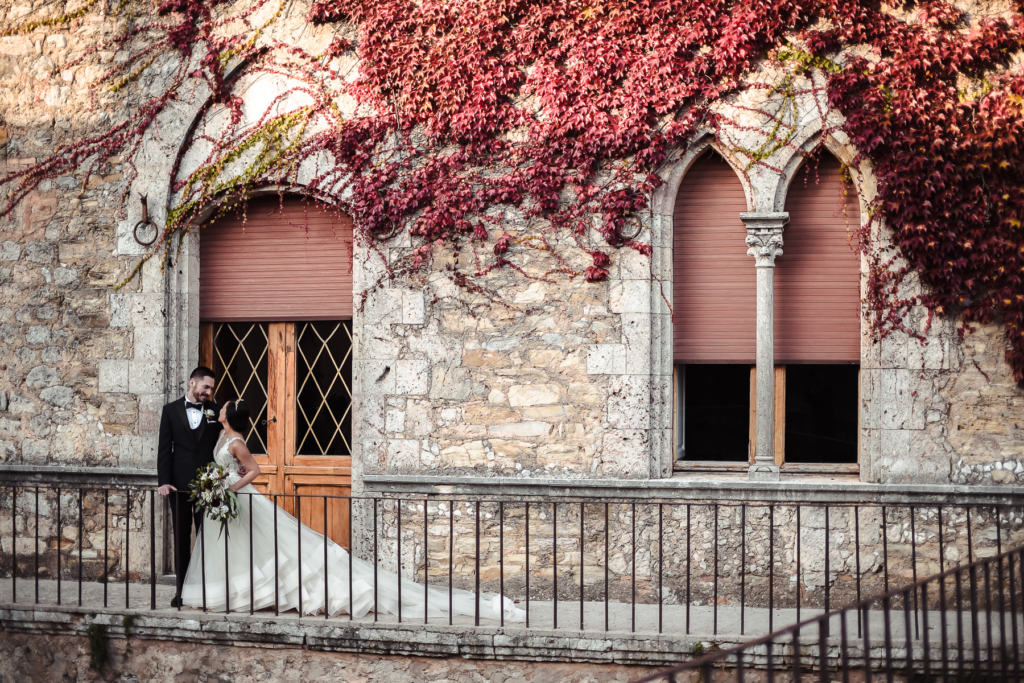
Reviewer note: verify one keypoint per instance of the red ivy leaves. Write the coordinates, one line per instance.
(564, 110)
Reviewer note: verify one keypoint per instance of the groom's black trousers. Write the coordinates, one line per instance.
(183, 516)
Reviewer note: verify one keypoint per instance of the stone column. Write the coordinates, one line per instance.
(764, 242)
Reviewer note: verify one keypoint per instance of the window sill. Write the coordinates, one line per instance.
(787, 469)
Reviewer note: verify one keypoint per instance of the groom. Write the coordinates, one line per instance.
(188, 432)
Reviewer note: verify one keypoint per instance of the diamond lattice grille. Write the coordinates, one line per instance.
(324, 388)
(240, 363)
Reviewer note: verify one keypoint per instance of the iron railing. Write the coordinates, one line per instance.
(595, 565)
(963, 624)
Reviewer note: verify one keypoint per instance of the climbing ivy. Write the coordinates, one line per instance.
(561, 113)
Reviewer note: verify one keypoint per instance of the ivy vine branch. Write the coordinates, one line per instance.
(564, 111)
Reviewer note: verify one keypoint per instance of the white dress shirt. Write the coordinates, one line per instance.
(195, 415)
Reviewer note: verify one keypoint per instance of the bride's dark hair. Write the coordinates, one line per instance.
(238, 416)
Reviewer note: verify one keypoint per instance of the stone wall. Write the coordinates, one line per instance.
(40, 658)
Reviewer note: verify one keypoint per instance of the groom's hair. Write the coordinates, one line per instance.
(201, 372)
(238, 415)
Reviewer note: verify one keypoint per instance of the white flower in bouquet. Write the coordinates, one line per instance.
(213, 495)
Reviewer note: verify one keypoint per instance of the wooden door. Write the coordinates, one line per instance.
(297, 378)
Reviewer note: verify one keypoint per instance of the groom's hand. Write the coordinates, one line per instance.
(166, 489)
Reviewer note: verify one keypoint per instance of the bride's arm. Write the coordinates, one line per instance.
(240, 451)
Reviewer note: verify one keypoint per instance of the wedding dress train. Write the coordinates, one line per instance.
(224, 567)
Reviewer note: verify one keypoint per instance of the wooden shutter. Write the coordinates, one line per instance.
(715, 286)
(289, 262)
(817, 278)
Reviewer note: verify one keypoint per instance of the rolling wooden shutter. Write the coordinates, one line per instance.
(817, 278)
(715, 285)
(276, 265)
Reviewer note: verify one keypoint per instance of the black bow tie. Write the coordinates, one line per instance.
(190, 404)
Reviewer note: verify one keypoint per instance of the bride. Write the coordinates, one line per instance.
(211, 565)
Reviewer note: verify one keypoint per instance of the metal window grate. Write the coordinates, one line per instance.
(324, 388)
(240, 355)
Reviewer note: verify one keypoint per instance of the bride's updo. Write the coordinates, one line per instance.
(238, 416)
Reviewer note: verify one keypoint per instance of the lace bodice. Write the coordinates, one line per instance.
(222, 456)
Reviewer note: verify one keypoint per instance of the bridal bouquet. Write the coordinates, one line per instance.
(212, 494)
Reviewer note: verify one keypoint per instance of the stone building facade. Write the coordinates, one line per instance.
(563, 389)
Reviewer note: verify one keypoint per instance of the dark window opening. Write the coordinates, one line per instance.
(717, 412)
(821, 413)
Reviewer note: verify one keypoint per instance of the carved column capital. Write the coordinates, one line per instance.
(764, 236)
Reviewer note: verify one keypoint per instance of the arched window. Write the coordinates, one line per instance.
(817, 317)
(714, 313)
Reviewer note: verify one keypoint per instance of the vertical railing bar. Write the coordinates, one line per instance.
(798, 560)
(771, 568)
(769, 660)
(152, 553)
(227, 575)
(885, 550)
(201, 540)
(1013, 617)
(970, 541)
(398, 516)
(376, 604)
(298, 535)
(426, 562)
(476, 600)
(743, 567)
(451, 561)
(632, 567)
(1000, 591)
(582, 563)
(327, 594)
(828, 546)
(856, 545)
(81, 547)
(59, 544)
(106, 549)
(14, 547)
(689, 555)
(554, 562)
(350, 551)
(714, 576)
(526, 522)
(252, 582)
(913, 564)
(661, 578)
(975, 634)
(501, 559)
(127, 538)
(277, 577)
(37, 553)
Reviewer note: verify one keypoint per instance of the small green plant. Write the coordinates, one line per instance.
(697, 650)
(98, 654)
(129, 624)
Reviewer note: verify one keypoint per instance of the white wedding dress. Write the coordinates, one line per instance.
(215, 560)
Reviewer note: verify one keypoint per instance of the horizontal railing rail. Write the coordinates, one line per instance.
(970, 621)
(602, 565)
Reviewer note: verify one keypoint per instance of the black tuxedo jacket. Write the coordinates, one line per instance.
(183, 450)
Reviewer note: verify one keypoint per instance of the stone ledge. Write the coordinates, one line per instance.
(340, 635)
(77, 476)
(686, 489)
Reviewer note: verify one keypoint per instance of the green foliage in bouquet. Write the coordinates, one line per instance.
(212, 494)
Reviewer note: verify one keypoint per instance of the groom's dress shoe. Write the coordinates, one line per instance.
(176, 601)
